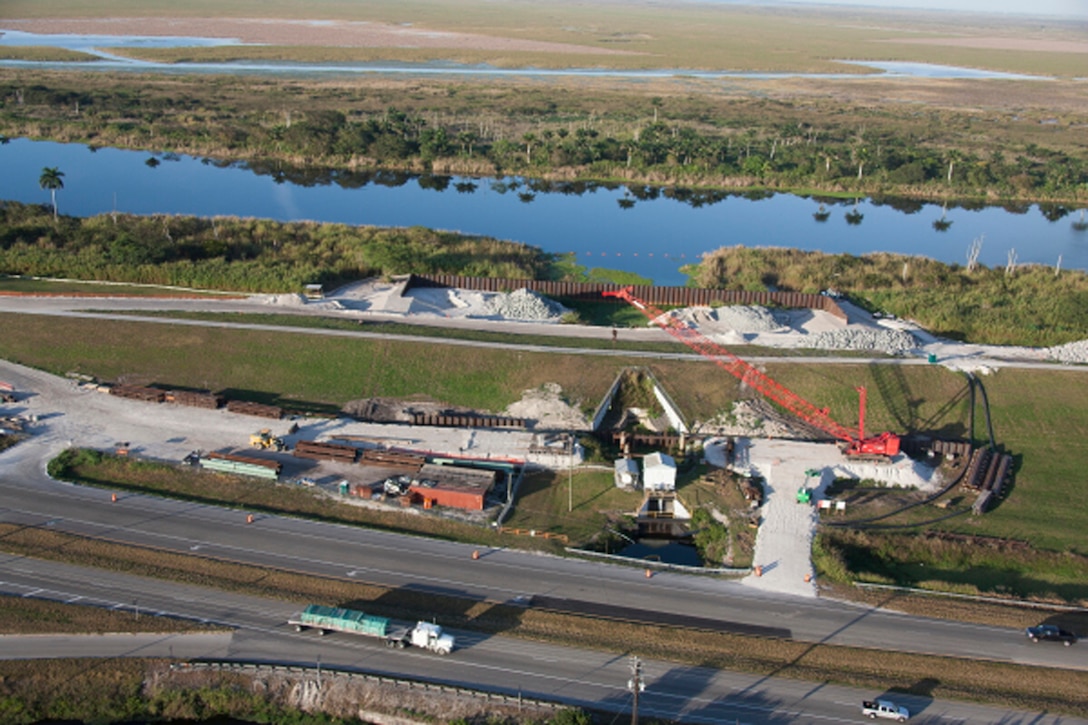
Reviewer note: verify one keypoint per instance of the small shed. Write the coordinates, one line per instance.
(314, 292)
(453, 486)
(626, 473)
(658, 472)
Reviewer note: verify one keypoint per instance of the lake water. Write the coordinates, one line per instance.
(651, 232)
(99, 45)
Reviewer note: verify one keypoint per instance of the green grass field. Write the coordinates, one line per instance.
(1040, 417)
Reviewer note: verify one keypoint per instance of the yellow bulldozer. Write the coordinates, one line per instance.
(264, 440)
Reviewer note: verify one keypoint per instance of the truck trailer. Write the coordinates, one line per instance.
(424, 635)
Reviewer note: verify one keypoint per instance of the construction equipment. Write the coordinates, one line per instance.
(264, 440)
(855, 444)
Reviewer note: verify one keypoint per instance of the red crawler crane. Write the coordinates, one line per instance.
(856, 444)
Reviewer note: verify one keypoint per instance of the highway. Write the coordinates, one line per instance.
(584, 678)
(393, 560)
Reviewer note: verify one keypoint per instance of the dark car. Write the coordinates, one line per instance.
(1051, 633)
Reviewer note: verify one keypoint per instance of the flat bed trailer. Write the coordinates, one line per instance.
(398, 635)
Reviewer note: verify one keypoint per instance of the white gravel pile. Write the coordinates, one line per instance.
(745, 318)
(892, 342)
(1071, 352)
(737, 318)
(524, 304)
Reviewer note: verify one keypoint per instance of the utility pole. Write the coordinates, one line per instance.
(570, 472)
(635, 685)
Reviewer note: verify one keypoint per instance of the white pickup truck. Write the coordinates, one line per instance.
(886, 709)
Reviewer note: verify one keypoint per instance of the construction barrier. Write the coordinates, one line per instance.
(533, 532)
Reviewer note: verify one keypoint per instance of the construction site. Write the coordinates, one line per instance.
(434, 459)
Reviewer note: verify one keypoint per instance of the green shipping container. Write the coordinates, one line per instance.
(344, 620)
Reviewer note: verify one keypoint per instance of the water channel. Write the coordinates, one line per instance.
(648, 231)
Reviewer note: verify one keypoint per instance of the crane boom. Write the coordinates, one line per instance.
(885, 444)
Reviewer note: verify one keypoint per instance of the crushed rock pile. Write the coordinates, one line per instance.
(1071, 352)
(738, 318)
(892, 342)
(523, 304)
(746, 318)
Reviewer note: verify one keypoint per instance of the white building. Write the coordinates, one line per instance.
(658, 472)
(626, 473)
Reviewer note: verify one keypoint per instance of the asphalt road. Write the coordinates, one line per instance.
(579, 677)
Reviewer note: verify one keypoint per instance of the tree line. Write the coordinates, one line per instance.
(247, 255)
(775, 146)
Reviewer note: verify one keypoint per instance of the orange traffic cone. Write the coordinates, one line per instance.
(249, 518)
(759, 571)
(113, 497)
(649, 573)
(808, 578)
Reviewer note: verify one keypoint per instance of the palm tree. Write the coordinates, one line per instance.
(51, 179)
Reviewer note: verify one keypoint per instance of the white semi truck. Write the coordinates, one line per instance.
(424, 635)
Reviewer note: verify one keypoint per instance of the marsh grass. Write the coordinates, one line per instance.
(742, 38)
(44, 54)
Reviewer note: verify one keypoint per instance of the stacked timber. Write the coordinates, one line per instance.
(258, 409)
(318, 451)
(138, 392)
(194, 399)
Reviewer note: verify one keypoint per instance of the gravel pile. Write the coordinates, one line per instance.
(745, 318)
(1071, 352)
(736, 318)
(524, 304)
(892, 342)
